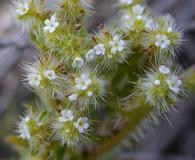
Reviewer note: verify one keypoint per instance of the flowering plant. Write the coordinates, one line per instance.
(96, 89)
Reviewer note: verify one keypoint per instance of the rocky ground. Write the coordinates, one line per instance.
(178, 141)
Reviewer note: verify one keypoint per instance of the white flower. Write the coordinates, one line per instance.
(139, 17)
(162, 41)
(90, 94)
(24, 132)
(127, 1)
(90, 55)
(73, 97)
(138, 9)
(164, 69)
(50, 74)
(157, 82)
(82, 124)
(51, 24)
(150, 24)
(78, 62)
(82, 82)
(22, 8)
(169, 30)
(67, 115)
(24, 129)
(117, 44)
(34, 79)
(174, 84)
(127, 21)
(99, 49)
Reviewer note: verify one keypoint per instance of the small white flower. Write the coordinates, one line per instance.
(138, 9)
(82, 82)
(24, 129)
(164, 69)
(90, 55)
(50, 74)
(99, 49)
(162, 41)
(139, 17)
(127, 1)
(90, 94)
(82, 124)
(22, 8)
(169, 30)
(73, 97)
(150, 24)
(24, 132)
(117, 44)
(34, 79)
(51, 24)
(157, 82)
(127, 21)
(174, 84)
(78, 62)
(67, 115)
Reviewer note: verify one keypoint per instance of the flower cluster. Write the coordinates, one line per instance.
(133, 19)
(38, 76)
(110, 50)
(98, 50)
(138, 11)
(159, 33)
(161, 88)
(70, 129)
(162, 41)
(82, 84)
(117, 44)
(86, 89)
(163, 35)
(22, 8)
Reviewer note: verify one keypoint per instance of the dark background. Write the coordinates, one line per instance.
(166, 142)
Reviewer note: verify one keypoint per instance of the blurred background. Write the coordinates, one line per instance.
(166, 142)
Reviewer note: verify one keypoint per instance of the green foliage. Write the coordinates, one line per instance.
(122, 77)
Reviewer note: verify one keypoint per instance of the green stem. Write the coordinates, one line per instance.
(140, 112)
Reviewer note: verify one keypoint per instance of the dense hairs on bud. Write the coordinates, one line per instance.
(161, 87)
(133, 19)
(70, 129)
(110, 48)
(86, 89)
(162, 36)
(43, 75)
(33, 127)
